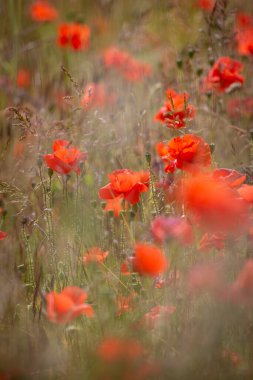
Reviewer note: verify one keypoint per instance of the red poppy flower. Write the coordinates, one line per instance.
(206, 5)
(76, 36)
(65, 158)
(180, 229)
(96, 96)
(224, 76)
(125, 183)
(212, 203)
(136, 71)
(176, 110)
(149, 260)
(130, 68)
(243, 20)
(23, 78)
(3, 235)
(238, 108)
(189, 153)
(233, 357)
(244, 33)
(114, 205)
(114, 57)
(67, 305)
(232, 177)
(244, 40)
(246, 192)
(95, 254)
(124, 269)
(117, 349)
(42, 11)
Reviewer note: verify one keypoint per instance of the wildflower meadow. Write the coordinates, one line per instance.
(126, 189)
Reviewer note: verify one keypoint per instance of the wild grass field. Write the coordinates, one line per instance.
(126, 189)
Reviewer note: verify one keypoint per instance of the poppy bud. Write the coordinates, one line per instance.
(148, 157)
(50, 172)
(191, 52)
(39, 162)
(212, 147)
(94, 203)
(110, 213)
(199, 71)
(132, 214)
(21, 268)
(179, 63)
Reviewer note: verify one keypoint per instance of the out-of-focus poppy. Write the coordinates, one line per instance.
(65, 306)
(246, 192)
(233, 357)
(176, 110)
(65, 158)
(125, 269)
(206, 5)
(3, 235)
(96, 96)
(23, 78)
(149, 260)
(244, 33)
(115, 349)
(189, 153)
(130, 68)
(232, 177)
(42, 11)
(212, 203)
(224, 76)
(125, 183)
(177, 228)
(238, 108)
(75, 36)
(94, 254)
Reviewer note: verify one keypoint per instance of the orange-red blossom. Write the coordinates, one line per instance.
(126, 184)
(65, 306)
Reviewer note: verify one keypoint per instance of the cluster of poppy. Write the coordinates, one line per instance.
(73, 35)
(96, 95)
(65, 158)
(42, 11)
(176, 110)
(224, 76)
(130, 68)
(244, 34)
